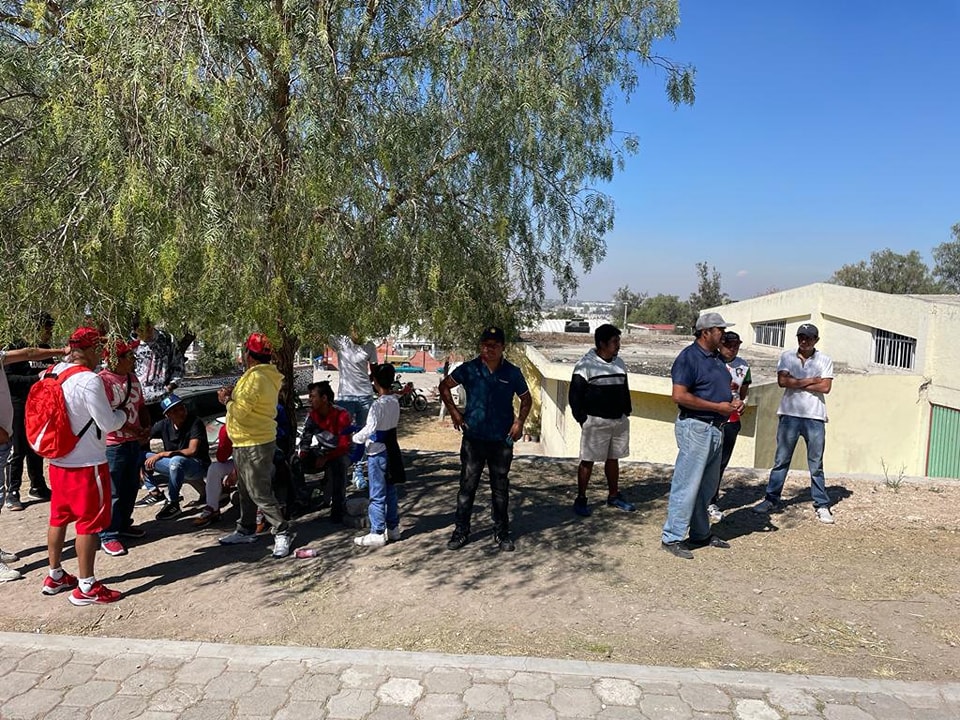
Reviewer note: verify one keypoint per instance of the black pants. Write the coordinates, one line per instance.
(22, 452)
(497, 456)
(730, 432)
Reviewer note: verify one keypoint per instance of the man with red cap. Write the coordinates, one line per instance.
(252, 426)
(80, 480)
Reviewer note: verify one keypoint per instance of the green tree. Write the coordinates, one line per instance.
(301, 167)
(708, 292)
(946, 258)
(665, 309)
(888, 272)
(626, 305)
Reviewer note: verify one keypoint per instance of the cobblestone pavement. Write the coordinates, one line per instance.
(61, 678)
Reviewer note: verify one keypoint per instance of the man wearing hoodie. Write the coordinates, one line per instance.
(252, 426)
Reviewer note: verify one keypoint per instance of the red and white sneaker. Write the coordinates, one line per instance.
(99, 594)
(52, 587)
(113, 547)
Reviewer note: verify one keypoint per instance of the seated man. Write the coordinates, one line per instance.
(220, 475)
(185, 456)
(330, 425)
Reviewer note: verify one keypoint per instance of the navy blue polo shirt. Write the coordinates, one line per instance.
(705, 375)
(489, 411)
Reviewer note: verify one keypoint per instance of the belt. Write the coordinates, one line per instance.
(716, 422)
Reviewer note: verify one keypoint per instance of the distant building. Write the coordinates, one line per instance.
(894, 407)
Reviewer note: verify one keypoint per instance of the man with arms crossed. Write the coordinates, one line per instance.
(701, 389)
(806, 375)
(600, 402)
(489, 431)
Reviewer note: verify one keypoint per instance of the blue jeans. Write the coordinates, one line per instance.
(695, 477)
(359, 407)
(383, 511)
(497, 456)
(124, 463)
(178, 470)
(789, 430)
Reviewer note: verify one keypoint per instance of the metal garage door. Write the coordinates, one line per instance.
(943, 456)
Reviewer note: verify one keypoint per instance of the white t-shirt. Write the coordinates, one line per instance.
(86, 399)
(803, 403)
(354, 364)
(384, 415)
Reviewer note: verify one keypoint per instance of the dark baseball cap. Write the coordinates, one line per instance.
(808, 329)
(731, 336)
(493, 333)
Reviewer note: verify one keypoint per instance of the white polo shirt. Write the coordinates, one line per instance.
(803, 403)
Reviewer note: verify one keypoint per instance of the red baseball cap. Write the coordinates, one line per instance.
(84, 338)
(259, 343)
(119, 347)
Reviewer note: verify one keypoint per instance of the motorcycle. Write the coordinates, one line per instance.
(408, 396)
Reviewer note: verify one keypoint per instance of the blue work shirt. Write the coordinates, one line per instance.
(489, 411)
(705, 375)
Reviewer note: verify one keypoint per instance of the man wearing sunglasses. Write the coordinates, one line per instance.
(806, 375)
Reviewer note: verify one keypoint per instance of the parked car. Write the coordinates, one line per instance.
(203, 402)
(578, 325)
(406, 367)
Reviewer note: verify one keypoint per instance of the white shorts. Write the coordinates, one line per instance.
(604, 439)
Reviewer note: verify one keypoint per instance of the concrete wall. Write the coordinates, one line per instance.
(874, 419)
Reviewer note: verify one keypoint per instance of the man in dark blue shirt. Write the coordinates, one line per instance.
(489, 430)
(701, 389)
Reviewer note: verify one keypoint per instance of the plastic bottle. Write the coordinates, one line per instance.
(303, 553)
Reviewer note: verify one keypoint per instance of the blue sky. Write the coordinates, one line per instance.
(822, 132)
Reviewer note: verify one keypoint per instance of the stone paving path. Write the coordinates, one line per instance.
(74, 678)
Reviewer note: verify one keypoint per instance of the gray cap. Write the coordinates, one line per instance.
(808, 329)
(711, 320)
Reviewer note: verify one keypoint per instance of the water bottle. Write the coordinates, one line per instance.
(304, 553)
(509, 440)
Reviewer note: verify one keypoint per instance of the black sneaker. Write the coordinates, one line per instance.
(13, 502)
(504, 541)
(39, 493)
(458, 540)
(133, 531)
(169, 511)
(677, 549)
(710, 540)
(151, 498)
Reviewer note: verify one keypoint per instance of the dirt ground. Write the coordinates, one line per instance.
(876, 595)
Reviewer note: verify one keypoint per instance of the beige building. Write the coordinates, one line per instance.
(895, 404)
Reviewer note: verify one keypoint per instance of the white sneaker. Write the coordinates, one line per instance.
(8, 574)
(371, 540)
(825, 516)
(8, 557)
(764, 507)
(282, 543)
(716, 515)
(393, 533)
(237, 538)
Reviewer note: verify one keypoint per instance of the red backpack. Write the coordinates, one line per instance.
(46, 419)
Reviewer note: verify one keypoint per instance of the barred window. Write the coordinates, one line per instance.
(894, 350)
(770, 333)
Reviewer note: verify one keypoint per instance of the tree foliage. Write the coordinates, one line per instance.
(665, 309)
(946, 257)
(303, 166)
(708, 294)
(626, 306)
(889, 272)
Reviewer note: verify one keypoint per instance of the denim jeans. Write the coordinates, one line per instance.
(497, 456)
(383, 511)
(695, 477)
(124, 463)
(177, 470)
(359, 407)
(789, 430)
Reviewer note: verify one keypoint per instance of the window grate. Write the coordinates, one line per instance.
(770, 333)
(893, 350)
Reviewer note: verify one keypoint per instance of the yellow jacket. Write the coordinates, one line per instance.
(252, 410)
